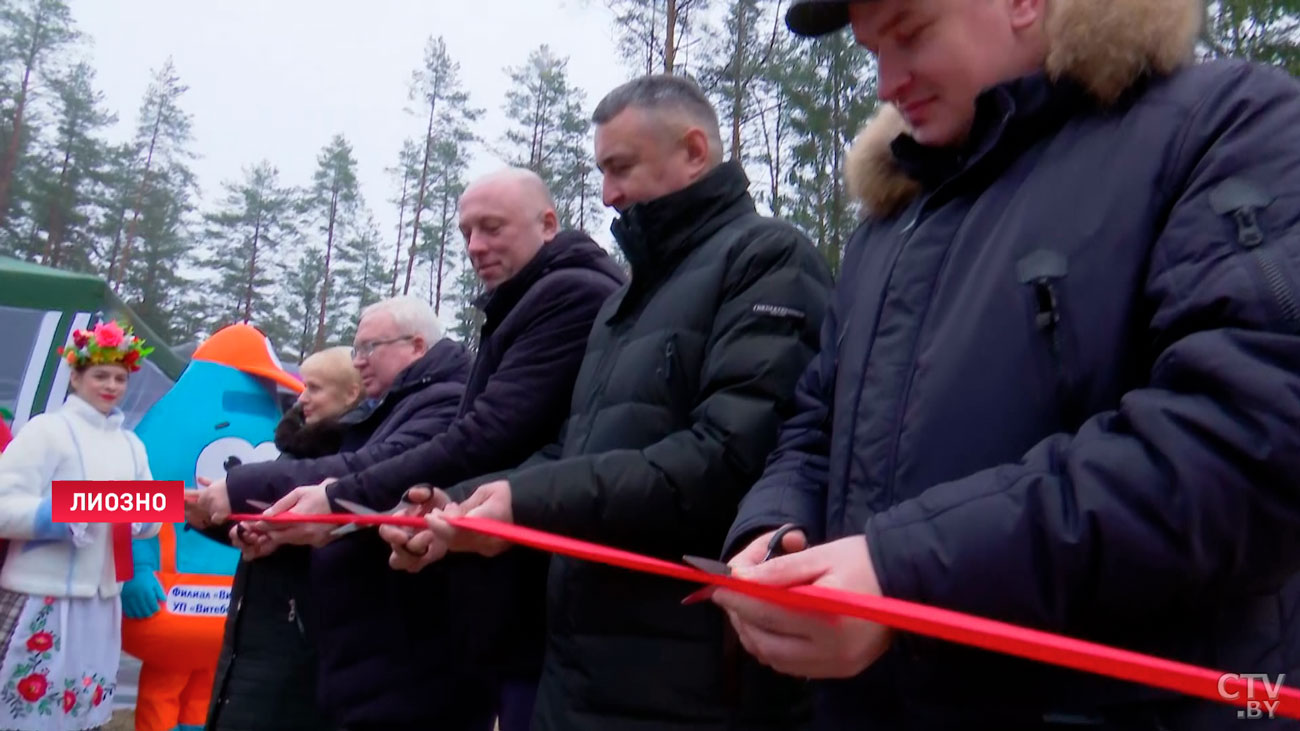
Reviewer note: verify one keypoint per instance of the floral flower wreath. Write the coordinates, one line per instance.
(106, 344)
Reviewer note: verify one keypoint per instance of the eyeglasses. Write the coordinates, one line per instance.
(363, 350)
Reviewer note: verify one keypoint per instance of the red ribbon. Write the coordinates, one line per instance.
(122, 563)
(903, 615)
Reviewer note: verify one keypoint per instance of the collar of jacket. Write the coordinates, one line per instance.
(78, 407)
(294, 437)
(1009, 118)
(656, 234)
(1103, 48)
(568, 248)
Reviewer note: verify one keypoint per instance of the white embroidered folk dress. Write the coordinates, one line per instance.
(60, 607)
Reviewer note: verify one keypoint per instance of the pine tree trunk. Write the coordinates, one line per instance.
(252, 269)
(737, 88)
(652, 45)
(670, 34)
(419, 199)
(116, 280)
(397, 250)
(535, 150)
(117, 241)
(10, 161)
(442, 250)
(325, 285)
(61, 197)
(364, 295)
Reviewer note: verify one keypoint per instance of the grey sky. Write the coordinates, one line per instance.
(276, 79)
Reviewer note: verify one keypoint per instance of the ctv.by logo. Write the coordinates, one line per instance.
(1261, 699)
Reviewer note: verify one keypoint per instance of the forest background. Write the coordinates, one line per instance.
(308, 231)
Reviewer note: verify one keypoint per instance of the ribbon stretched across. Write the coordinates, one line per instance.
(908, 616)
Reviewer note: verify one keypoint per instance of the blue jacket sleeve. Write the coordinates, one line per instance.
(794, 483)
(1188, 489)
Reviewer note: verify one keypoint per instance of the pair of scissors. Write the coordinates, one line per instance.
(714, 566)
(402, 506)
(352, 507)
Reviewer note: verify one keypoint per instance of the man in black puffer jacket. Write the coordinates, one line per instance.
(687, 375)
(482, 620)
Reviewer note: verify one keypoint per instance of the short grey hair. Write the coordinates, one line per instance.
(412, 315)
(663, 92)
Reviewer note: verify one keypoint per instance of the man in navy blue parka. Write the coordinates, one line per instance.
(1060, 382)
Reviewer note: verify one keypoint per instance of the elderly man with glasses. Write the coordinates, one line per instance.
(413, 379)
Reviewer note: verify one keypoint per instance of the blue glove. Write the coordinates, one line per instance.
(44, 528)
(141, 595)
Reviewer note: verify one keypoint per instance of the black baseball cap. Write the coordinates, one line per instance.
(817, 17)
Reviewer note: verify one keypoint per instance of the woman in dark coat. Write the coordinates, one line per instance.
(266, 676)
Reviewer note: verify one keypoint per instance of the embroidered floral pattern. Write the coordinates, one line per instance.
(29, 689)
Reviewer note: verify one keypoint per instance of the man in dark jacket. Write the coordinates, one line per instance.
(1060, 385)
(687, 374)
(483, 621)
(414, 379)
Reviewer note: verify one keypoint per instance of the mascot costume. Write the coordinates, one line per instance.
(221, 412)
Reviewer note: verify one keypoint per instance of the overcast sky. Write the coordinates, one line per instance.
(276, 79)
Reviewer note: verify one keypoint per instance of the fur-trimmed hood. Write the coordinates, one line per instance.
(1103, 45)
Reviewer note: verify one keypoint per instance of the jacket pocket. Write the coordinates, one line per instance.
(1043, 274)
(1241, 201)
(670, 359)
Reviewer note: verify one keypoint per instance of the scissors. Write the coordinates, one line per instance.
(351, 507)
(714, 566)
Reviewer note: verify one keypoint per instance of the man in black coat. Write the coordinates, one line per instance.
(413, 379)
(481, 620)
(1060, 384)
(687, 375)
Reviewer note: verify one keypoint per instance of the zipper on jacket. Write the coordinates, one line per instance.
(1042, 270)
(1251, 237)
(1241, 201)
(670, 352)
(295, 617)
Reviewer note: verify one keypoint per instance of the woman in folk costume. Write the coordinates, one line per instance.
(60, 611)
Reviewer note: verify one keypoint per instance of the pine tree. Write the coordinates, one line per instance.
(408, 164)
(364, 276)
(162, 132)
(333, 199)
(437, 85)
(256, 220)
(64, 208)
(154, 285)
(829, 85)
(551, 133)
(469, 318)
(653, 33)
(37, 31)
(303, 283)
(451, 162)
(737, 59)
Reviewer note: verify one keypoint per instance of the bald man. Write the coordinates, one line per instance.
(453, 647)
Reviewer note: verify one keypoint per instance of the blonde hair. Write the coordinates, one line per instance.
(335, 364)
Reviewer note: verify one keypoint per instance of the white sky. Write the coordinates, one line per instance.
(276, 79)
